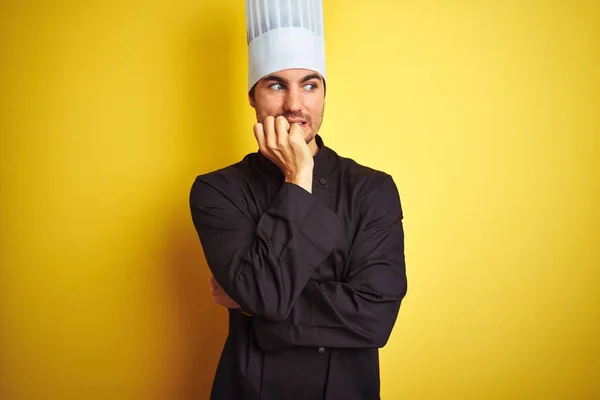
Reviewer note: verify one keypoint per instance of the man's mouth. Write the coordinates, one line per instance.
(300, 122)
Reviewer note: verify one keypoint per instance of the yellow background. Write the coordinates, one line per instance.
(486, 114)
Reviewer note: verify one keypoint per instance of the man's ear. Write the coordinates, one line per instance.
(251, 98)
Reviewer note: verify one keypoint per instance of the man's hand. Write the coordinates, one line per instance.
(284, 145)
(220, 297)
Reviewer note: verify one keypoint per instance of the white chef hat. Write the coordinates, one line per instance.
(284, 34)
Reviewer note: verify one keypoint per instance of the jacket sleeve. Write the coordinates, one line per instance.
(362, 310)
(263, 265)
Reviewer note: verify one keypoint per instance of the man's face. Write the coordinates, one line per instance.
(296, 94)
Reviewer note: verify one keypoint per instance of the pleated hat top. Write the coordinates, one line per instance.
(284, 34)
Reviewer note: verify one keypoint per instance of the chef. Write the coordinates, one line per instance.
(306, 247)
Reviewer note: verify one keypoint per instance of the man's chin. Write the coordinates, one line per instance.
(309, 137)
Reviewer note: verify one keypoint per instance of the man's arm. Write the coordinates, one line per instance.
(361, 311)
(263, 266)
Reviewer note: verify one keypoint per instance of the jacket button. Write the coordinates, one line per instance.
(322, 181)
(321, 350)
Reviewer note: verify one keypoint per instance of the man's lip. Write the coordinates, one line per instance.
(296, 121)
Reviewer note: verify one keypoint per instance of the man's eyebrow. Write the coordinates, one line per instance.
(311, 76)
(275, 78)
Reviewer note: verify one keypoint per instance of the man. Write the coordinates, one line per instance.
(306, 247)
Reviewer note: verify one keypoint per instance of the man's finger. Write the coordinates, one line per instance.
(225, 301)
(282, 124)
(296, 133)
(270, 134)
(216, 290)
(282, 127)
(259, 134)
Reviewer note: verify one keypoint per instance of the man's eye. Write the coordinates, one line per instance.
(310, 87)
(276, 86)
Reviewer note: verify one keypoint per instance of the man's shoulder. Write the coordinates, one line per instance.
(228, 173)
(373, 188)
(362, 176)
(224, 180)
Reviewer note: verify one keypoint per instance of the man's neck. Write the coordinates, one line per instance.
(314, 148)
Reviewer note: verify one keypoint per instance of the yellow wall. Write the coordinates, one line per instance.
(486, 114)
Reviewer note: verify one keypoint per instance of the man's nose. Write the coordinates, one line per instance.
(293, 101)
